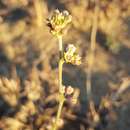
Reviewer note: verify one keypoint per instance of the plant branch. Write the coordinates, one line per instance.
(61, 94)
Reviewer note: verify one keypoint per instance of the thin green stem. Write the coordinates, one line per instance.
(61, 61)
(60, 75)
(60, 47)
(61, 94)
(61, 102)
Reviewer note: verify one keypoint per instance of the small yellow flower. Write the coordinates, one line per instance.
(58, 22)
(71, 49)
(76, 60)
(71, 55)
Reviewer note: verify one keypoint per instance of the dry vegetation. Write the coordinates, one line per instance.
(29, 58)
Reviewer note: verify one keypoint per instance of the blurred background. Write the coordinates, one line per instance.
(29, 63)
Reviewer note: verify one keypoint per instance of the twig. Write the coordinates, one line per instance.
(92, 54)
(124, 85)
(61, 95)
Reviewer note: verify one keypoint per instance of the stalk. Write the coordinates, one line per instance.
(92, 54)
(39, 12)
(61, 61)
(61, 94)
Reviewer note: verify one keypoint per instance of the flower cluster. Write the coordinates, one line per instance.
(58, 22)
(71, 55)
(71, 94)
